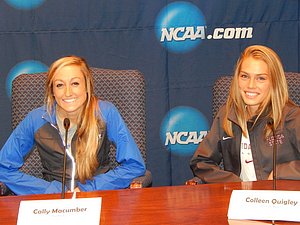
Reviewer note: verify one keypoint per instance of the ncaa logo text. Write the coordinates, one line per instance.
(184, 137)
(184, 33)
(182, 130)
(181, 27)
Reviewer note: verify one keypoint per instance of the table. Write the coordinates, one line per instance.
(195, 204)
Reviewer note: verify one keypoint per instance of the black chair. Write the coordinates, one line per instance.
(124, 88)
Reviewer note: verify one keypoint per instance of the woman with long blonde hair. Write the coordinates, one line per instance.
(92, 124)
(258, 114)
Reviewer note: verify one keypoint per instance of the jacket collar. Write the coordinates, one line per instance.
(233, 118)
(51, 118)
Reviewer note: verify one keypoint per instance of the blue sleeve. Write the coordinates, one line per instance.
(12, 156)
(127, 154)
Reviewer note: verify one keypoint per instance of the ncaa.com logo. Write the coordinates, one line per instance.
(182, 129)
(181, 27)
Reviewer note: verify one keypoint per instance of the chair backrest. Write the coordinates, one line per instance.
(222, 85)
(124, 88)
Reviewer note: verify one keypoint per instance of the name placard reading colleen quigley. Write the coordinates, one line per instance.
(264, 205)
(60, 211)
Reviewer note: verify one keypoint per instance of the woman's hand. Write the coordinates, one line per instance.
(75, 190)
(271, 176)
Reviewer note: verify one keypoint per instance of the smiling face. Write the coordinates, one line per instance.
(254, 83)
(69, 90)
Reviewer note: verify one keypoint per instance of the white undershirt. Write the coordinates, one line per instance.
(247, 166)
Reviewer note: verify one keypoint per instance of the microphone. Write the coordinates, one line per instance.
(66, 126)
(271, 124)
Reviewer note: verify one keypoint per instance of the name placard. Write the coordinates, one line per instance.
(60, 211)
(264, 205)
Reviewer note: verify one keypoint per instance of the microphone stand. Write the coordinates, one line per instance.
(271, 123)
(66, 126)
(274, 156)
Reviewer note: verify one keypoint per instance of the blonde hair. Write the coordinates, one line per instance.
(89, 122)
(273, 105)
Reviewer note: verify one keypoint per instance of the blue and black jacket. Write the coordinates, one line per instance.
(40, 129)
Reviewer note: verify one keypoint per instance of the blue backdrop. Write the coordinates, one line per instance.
(181, 47)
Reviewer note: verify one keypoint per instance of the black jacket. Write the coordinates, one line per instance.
(217, 158)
